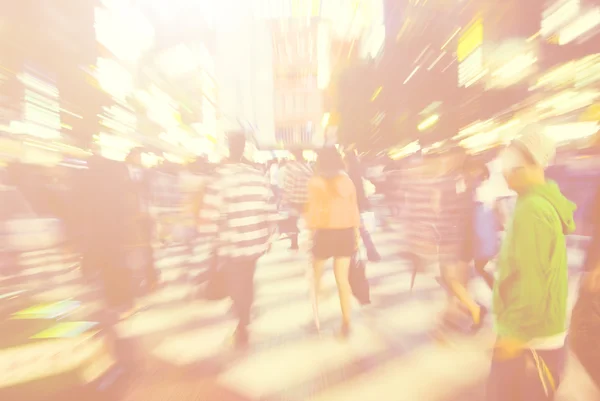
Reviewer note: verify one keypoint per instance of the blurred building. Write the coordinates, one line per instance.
(298, 98)
(45, 99)
(529, 63)
(244, 72)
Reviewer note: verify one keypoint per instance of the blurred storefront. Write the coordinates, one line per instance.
(298, 98)
(244, 76)
(43, 51)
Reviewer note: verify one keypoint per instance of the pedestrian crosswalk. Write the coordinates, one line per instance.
(288, 361)
(390, 355)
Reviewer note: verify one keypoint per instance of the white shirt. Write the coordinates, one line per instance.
(274, 174)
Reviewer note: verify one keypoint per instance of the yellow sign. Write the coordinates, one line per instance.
(470, 40)
(65, 330)
(591, 114)
(46, 311)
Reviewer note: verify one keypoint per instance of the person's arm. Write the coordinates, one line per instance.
(211, 212)
(314, 205)
(523, 287)
(289, 184)
(271, 212)
(197, 201)
(356, 218)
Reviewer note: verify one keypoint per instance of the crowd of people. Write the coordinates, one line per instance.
(442, 200)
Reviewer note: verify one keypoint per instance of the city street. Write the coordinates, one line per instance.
(180, 348)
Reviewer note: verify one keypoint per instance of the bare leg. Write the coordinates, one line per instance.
(318, 265)
(341, 267)
(455, 279)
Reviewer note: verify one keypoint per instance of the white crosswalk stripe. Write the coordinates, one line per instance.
(390, 355)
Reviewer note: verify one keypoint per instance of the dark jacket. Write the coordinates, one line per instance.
(355, 173)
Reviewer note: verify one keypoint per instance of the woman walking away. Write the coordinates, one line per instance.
(334, 219)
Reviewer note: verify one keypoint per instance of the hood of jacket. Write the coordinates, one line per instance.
(563, 206)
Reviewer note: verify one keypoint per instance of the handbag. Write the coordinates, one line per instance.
(358, 279)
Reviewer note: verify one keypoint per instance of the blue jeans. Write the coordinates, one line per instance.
(517, 379)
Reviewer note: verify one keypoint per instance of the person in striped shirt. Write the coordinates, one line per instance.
(295, 191)
(239, 217)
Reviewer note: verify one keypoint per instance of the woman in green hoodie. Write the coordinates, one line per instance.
(530, 292)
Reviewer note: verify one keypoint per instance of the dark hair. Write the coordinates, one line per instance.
(329, 165)
(133, 153)
(298, 154)
(329, 160)
(237, 145)
(474, 165)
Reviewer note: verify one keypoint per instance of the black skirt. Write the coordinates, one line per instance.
(338, 243)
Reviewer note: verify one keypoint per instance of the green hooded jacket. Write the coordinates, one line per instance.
(530, 292)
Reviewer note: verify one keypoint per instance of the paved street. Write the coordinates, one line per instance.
(179, 342)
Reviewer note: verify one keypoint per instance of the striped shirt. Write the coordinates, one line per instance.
(297, 175)
(438, 217)
(238, 214)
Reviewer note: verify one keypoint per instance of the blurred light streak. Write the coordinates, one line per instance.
(323, 45)
(325, 120)
(471, 69)
(376, 93)
(449, 65)
(45, 359)
(583, 25)
(38, 85)
(558, 75)
(179, 60)
(150, 160)
(70, 113)
(116, 142)
(570, 132)
(404, 28)
(501, 133)
(474, 128)
(174, 158)
(114, 79)
(409, 149)
(411, 74)
(569, 101)
(516, 66)
(451, 37)
(436, 61)
(428, 122)
(435, 146)
(533, 37)
(470, 40)
(422, 54)
(556, 18)
(123, 30)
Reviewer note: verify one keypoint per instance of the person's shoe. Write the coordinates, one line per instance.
(344, 332)
(238, 341)
(442, 282)
(313, 328)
